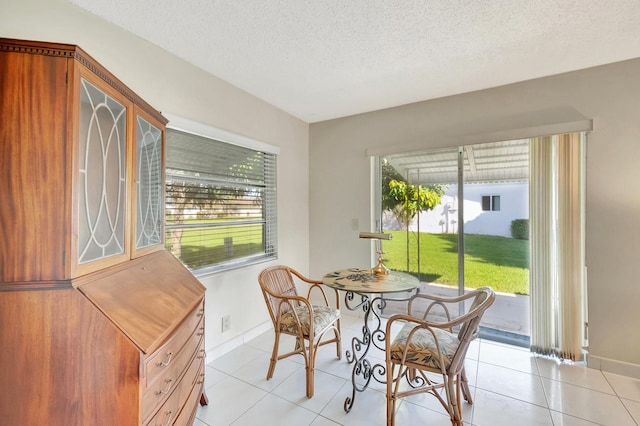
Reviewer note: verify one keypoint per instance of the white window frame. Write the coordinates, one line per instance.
(183, 125)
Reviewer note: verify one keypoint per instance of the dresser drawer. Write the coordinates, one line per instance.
(182, 398)
(164, 358)
(167, 414)
(188, 413)
(166, 382)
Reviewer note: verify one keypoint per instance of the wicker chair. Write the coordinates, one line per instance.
(427, 344)
(292, 314)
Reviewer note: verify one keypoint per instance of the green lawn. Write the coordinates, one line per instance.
(498, 262)
(206, 246)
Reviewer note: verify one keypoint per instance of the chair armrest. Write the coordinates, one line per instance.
(289, 300)
(419, 321)
(449, 324)
(285, 297)
(319, 286)
(445, 303)
(303, 278)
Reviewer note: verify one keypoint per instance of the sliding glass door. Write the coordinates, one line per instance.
(470, 216)
(494, 218)
(465, 239)
(425, 241)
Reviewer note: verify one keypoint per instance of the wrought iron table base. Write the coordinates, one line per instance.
(360, 285)
(360, 347)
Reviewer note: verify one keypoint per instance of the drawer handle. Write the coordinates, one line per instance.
(203, 353)
(166, 391)
(201, 332)
(167, 362)
(200, 312)
(169, 417)
(201, 379)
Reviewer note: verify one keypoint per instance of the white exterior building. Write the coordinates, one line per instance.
(503, 202)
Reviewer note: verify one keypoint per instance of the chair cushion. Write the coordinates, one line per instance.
(323, 316)
(422, 348)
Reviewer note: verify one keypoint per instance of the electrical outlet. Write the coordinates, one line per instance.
(226, 323)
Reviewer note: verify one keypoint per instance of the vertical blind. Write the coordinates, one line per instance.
(557, 245)
(220, 202)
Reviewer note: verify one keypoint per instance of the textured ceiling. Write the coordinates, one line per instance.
(325, 59)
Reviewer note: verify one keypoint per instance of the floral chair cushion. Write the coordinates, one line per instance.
(422, 348)
(323, 316)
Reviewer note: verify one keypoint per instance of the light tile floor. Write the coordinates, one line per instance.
(511, 387)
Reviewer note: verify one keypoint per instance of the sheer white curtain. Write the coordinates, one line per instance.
(556, 216)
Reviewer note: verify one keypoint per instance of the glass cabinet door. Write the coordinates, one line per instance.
(102, 177)
(149, 205)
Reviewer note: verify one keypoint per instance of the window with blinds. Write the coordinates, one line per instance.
(220, 202)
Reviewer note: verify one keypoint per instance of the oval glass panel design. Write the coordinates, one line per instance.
(102, 175)
(149, 198)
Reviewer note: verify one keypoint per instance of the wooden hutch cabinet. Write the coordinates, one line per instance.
(99, 324)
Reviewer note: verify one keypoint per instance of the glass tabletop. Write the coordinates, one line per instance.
(364, 281)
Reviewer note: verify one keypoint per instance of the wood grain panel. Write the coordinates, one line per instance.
(34, 216)
(148, 299)
(60, 369)
(74, 338)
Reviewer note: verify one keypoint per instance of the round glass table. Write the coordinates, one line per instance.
(366, 290)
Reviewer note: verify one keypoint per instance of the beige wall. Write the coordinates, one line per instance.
(607, 95)
(171, 85)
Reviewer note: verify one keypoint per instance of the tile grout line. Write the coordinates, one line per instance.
(618, 396)
(538, 371)
(544, 390)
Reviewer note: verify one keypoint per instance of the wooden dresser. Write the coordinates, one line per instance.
(99, 324)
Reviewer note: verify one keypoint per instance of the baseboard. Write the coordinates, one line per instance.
(237, 341)
(613, 366)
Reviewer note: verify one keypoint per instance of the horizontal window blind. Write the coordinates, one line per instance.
(220, 202)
